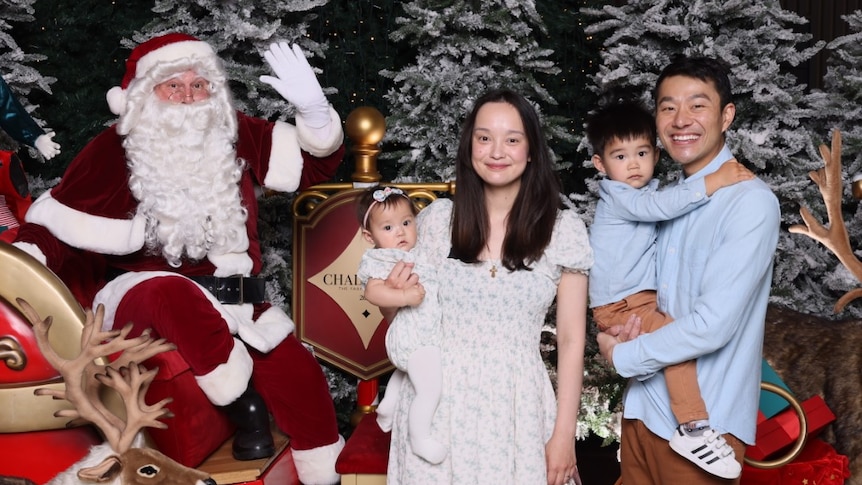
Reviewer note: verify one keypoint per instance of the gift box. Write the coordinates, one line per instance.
(771, 403)
(818, 463)
(781, 431)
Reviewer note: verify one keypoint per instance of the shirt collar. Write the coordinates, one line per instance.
(724, 155)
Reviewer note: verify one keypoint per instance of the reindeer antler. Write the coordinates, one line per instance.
(835, 237)
(83, 376)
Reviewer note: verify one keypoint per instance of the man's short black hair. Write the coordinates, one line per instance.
(699, 67)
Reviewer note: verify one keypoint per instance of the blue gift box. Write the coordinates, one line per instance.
(771, 403)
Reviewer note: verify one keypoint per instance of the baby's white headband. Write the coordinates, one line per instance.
(379, 196)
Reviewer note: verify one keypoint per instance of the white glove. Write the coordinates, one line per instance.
(296, 82)
(47, 146)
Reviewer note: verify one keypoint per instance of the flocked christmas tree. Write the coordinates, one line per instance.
(760, 42)
(463, 47)
(240, 32)
(839, 106)
(843, 83)
(89, 63)
(17, 66)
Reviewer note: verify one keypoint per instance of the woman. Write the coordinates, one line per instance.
(504, 249)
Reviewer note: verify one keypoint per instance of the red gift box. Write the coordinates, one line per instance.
(782, 430)
(818, 463)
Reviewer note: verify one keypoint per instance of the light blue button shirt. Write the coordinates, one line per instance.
(623, 234)
(714, 276)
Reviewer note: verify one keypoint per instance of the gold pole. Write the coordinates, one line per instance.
(365, 127)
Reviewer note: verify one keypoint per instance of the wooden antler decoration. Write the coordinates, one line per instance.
(835, 237)
(121, 463)
(83, 377)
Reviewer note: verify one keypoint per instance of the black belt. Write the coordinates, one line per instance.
(234, 289)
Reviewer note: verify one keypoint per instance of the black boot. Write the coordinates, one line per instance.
(253, 439)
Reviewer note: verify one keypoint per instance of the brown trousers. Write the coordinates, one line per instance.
(686, 402)
(647, 459)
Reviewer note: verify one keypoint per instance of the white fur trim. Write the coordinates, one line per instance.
(228, 381)
(117, 98)
(32, 250)
(310, 141)
(86, 231)
(172, 52)
(317, 465)
(236, 315)
(231, 264)
(267, 331)
(285, 160)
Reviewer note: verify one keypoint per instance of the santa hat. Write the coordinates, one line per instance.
(165, 48)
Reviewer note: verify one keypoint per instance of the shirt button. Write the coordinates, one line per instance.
(671, 250)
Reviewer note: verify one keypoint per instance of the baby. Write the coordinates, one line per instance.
(388, 221)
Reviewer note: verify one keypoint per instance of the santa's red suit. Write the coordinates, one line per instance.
(88, 231)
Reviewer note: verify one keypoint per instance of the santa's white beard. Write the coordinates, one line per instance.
(185, 174)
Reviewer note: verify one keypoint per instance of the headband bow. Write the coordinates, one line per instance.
(379, 196)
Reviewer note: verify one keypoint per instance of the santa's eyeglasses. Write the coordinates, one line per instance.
(177, 92)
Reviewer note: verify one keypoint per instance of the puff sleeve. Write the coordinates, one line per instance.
(570, 246)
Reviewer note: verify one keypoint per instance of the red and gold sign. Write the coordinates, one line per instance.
(328, 308)
(329, 311)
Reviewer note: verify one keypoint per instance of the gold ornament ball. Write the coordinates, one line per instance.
(365, 125)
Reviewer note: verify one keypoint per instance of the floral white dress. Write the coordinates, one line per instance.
(498, 408)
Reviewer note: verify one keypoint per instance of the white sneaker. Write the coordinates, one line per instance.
(706, 449)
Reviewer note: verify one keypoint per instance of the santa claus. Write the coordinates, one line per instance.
(156, 219)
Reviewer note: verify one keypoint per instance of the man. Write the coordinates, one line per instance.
(160, 209)
(714, 278)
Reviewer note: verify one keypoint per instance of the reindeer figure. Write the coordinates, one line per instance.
(816, 355)
(121, 460)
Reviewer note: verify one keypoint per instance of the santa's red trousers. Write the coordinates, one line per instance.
(288, 378)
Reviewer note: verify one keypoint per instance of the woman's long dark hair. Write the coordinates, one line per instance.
(534, 212)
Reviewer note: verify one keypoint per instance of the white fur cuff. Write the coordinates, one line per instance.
(285, 161)
(86, 231)
(228, 381)
(310, 140)
(317, 465)
(32, 250)
(267, 331)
